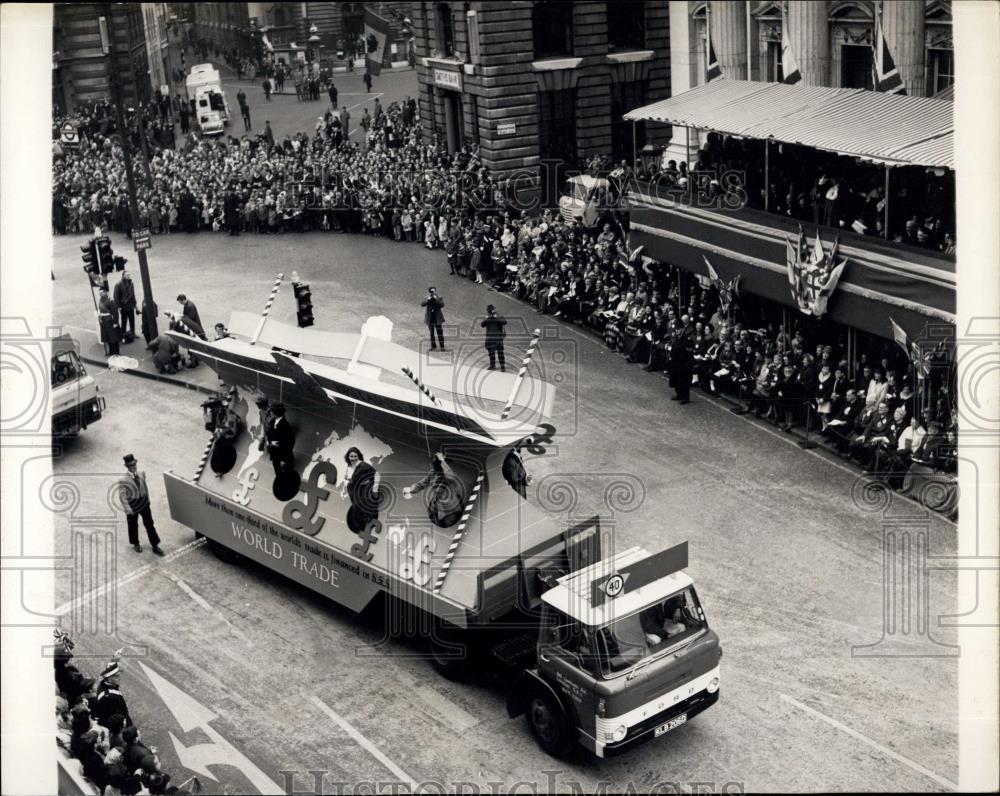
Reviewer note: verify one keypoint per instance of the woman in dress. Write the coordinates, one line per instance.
(361, 486)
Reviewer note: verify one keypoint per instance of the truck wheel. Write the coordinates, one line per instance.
(223, 553)
(548, 723)
(446, 660)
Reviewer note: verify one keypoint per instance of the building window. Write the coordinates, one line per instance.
(624, 98)
(557, 125)
(446, 31)
(856, 66)
(775, 74)
(626, 25)
(941, 66)
(552, 23)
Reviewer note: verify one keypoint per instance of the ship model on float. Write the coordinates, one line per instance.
(441, 497)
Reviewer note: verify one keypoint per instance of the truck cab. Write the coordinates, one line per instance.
(585, 199)
(624, 655)
(74, 399)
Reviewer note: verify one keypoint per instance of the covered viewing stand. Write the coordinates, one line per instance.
(914, 286)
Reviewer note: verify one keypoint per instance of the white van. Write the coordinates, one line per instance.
(585, 198)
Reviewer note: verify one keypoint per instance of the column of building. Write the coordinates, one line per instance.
(903, 23)
(809, 38)
(729, 38)
(684, 44)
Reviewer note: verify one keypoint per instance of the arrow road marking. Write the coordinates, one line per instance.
(401, 775)
(191, 714)
(885, 750)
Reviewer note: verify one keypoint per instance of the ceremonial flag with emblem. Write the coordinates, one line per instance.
(789, 63)
(376, 40)
(727, 290)
(813, 274)
(886, 77)
(921, 361)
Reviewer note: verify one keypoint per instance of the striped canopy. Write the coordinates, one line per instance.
(887, 128)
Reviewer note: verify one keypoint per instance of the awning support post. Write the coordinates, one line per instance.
(885, 208)
(767, 173)
(634, 155)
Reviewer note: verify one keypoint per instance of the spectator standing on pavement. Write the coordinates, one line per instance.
(125, 299)
(368, 80)
(107, 313)
(494, 326)
(434, 317)
(268, 134)
(245, 112)
(345, 122)
(333, 96)
(135, 493)
(366, 121)
(267, 89)
(377, 113)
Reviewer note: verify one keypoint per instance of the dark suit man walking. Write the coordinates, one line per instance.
(681, 361)
(136, 499)
(433, 316)
(494, 326)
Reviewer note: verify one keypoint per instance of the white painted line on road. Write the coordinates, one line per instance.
(205, 604)
(874, 744)
(65, 608)
(375, 752)
(371, 98)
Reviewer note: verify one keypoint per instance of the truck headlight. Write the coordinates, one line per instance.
(713, 686)
(617, 734)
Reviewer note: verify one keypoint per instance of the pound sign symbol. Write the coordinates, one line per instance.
(301, 514)
(249, 480)
(535, 444)
(369, 536)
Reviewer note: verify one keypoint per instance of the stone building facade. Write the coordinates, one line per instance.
(541, 81)
(81, 70)
(832, 40)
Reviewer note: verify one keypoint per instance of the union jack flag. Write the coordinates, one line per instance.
(714, 70)
(886, 77)
(727, 290)
(920, 357)
(813, 274)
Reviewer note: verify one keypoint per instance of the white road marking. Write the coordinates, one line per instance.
(874, 744)
(205, 604)
(401, 775)
(371, 98)
(65, 608)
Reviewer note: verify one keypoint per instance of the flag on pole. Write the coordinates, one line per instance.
(789, 63)
(376, 40)
(714, 70)
(921, 362)
(727, 290)
(886, 77)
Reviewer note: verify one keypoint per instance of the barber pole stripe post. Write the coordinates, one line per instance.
(208, 448)
(520, 374)
(420, 386)
(456, 540)
(267, 307)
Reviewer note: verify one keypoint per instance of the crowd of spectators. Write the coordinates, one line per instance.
(818, 187)
(397, 185)
(94, 727)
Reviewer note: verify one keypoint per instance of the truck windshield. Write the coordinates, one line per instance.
(644, 634)
(66, 367)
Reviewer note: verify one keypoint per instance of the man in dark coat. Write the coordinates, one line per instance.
(280, 438)
(494, 326)
(681, 361)
(231, 209)
(125, 299)
(433, 316)
(333, 96)
(135, 493)
(189, 312)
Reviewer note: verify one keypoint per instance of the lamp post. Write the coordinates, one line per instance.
(314, 40)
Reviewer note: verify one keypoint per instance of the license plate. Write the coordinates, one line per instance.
(676, 721)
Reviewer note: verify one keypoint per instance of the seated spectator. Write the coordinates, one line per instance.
(875, 435)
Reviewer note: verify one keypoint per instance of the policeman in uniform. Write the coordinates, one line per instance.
(494, 326)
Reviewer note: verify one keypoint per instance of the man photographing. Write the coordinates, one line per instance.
(494, 326)
(433, 316)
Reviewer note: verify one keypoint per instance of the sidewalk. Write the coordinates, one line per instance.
(201, 378)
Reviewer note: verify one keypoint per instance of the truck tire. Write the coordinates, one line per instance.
(548, 723)
(447, 661)
(223, 553)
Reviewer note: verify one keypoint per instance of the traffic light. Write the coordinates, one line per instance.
(303, 298)
(104, 255)
(89, 257)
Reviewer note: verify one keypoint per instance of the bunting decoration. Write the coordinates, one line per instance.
(886, 77)
(727, 290)
(813, 273)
